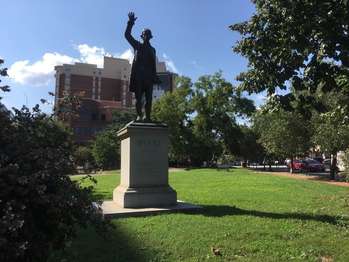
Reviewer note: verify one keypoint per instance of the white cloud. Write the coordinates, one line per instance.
(170, 65)
(128, 54)
(40, 72)
(92, 54)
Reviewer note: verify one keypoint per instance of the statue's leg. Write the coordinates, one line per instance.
(138, 95)
(148, 101)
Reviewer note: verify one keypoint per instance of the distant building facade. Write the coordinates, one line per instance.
(101, 91)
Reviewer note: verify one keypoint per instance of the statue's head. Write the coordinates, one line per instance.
(146, 34)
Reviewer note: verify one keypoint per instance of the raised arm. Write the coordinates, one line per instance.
(131, 21)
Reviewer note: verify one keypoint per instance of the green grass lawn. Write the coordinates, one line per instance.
(247, 216)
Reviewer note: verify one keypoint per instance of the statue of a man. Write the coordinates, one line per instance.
(143, 71)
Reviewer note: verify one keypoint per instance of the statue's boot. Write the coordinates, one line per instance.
(147, 111)
(147, 115)
(139, 112)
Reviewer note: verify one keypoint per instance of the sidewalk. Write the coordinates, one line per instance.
(320, 177)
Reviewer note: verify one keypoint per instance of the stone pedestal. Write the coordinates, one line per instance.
(144, 167)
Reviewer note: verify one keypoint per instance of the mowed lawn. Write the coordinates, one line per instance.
(246, 216)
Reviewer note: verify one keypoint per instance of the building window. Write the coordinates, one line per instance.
(103, 117)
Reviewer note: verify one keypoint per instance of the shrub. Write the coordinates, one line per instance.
(106, 148)
(40, 206)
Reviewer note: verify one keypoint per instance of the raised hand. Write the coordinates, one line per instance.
(131, 17)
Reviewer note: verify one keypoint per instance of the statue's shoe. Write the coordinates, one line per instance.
(139, 119)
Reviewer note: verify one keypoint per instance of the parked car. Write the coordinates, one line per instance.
(319, 159)
(307, 165)
(314, 166)
(297, 165)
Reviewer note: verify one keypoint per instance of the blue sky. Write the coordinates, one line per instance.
(192, 36)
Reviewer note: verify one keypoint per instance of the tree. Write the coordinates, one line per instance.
(250, 147)
(302, 44)
(3, 72)
(174, 109)
(202, 118)
(83, 157)
(217, 104)
(121, 117)
(283, 134)
(40, 207)
(331, 133)
(106, 147)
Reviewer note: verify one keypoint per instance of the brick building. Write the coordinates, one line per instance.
(101, 90)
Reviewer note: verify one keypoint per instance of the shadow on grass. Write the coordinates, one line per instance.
(227, 169)
(267, 169)
(324, 175)
(115, 245)
(220, 211)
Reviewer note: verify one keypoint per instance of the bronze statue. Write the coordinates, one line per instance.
(143, 71)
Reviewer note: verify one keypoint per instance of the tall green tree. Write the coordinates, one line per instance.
(83, 157)
(106, 146)
(302, 44)
(174, 109)
(283, 134)
(202, 118)
(250, 147)
(217, 104)
(331, 134)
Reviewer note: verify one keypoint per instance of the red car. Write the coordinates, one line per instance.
(307, 165)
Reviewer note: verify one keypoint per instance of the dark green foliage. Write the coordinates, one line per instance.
(331, 134)
(83, 157)
(202, 119)
(106, 147)
(40, 207)
(283, 134)
(122, 117)
(3, 72)
(301, 42)
(174, 109)
(250, 147)
(217, 104)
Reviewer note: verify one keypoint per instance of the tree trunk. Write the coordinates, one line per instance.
(291, 165)
(333, 169)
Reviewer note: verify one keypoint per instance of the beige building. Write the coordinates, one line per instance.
(101, 90)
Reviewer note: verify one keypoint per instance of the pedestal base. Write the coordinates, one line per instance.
(111, 210)
(144, 167)
(144, 197)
